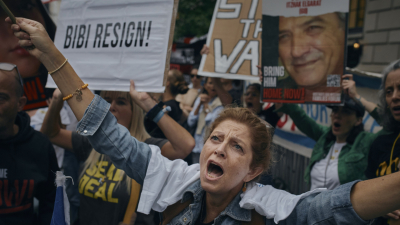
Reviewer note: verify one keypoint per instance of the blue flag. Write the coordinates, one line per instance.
(61, 204)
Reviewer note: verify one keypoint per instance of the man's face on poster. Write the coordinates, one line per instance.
(311, 47)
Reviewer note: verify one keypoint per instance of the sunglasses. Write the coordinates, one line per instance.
(10, 67)
(195, 75)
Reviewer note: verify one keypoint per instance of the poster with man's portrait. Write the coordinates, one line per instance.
(303, 52)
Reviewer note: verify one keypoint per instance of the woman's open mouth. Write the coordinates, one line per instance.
(214, 171)
(396, 110)
(249, 105)
(336, 126)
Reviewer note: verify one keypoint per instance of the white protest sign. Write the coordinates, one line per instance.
(109, 43)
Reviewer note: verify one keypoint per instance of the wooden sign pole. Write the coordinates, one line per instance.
(8, 12)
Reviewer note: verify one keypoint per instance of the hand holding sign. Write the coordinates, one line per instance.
(349, 85)
(31, 33)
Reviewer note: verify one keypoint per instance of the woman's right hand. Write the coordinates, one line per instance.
(204, 99)
(30, 33)
(393, 215)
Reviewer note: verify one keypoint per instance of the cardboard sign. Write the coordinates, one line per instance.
(109, 43)
(35, 93)
(304, 48)
(234, 40)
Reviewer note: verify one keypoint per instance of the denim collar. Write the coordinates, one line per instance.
(233, 210)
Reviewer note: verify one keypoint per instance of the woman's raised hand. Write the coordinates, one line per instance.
(143, 99)
(30, 33)
(350, 86)
(204, 98)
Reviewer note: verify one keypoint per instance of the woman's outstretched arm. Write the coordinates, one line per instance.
(95, 121)
(47, 53)
(376, 197)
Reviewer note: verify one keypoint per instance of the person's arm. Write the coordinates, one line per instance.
(197, 110)
(95, 120)
(180, 141)
(51, 123)
(223, 95)
(211, 116)
(194, 114)
(350, 87)
(376, 197)
(305, 124)
(66, 79)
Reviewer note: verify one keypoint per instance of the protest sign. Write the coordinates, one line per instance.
(35, 92)
(111, 42)
(234, 40)
(303, 52)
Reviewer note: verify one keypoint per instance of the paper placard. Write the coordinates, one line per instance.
(109, 43)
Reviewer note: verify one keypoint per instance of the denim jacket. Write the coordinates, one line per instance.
(132, 156)
(319, 208)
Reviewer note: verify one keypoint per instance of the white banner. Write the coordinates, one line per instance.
(111, 42)
(290, 8)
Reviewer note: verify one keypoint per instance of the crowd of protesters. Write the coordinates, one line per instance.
(128, 146)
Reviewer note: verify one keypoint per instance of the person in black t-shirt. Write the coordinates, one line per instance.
(384, 155)
(176, 84)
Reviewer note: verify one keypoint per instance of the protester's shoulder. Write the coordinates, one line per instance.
(372, 137)
(40, 139)
(172, 103)
(384, 138)
(160, 142)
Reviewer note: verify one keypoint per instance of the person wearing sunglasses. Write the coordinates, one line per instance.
(27, 157)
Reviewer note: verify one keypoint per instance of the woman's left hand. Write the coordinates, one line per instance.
(259, 73)
(143, 99)
(30, 33)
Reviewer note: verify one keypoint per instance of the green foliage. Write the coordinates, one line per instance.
(194, 18)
